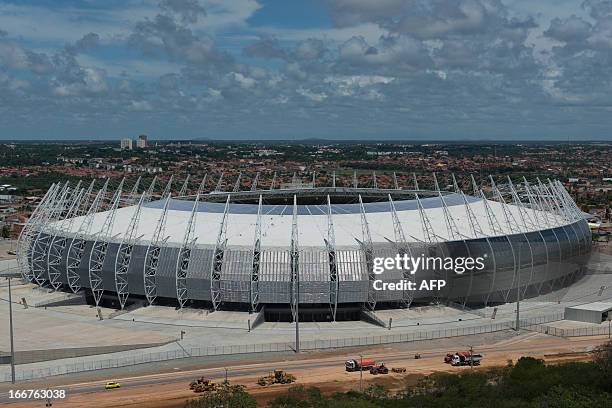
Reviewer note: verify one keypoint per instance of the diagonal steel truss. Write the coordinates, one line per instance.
(566, 217)
(182, 262)
(255, 181)
(76, 250)
(576, 215)
(273, 182)
(477, 232)
(256, 260)
(546, 211)
(237, 183)
(126, 249)
(216, 266)
(40, 247)
(185, 186)
(523, 217)
(534, 217)
(27, 235)
(294, 256)
(368, 251)
(219, 182)
(151, 261)
(513, 228)
(330, 243)
(494, 227)
(99, 249)
(451, 226)
(402, 249)
(58, 243)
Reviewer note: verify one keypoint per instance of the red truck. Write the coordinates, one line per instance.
(360, 364)
(463, 358)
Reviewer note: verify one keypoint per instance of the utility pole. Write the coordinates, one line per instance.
(471, 357)
(10, 299)
(361, 373)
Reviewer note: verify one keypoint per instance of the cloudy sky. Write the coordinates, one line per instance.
(280, 69)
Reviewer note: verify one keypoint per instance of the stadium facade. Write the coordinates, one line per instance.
(302, 245)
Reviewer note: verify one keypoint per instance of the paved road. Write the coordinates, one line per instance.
(527, 344)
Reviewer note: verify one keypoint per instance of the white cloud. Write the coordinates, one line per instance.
(313, 96)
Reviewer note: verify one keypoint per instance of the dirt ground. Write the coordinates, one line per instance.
(328, 374)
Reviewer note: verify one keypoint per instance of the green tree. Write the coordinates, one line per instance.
(6, 232)
(227, 396)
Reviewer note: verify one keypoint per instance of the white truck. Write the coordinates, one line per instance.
(466, 359)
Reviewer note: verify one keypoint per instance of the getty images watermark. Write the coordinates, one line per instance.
(412, 264)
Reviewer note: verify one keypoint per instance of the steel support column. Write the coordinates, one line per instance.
(330, 243)
(256, 260)
(76, 249)
(151, 261)
(100, 248)
(403, 249)
(294, 257)
(368, 250)
(184, 257)
(217, 259)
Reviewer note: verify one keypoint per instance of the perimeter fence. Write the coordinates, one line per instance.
(135, 358)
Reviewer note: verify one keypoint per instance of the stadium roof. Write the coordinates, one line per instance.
(312, 221)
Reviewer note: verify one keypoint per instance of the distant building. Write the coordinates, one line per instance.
(141, 143)
(126, 144)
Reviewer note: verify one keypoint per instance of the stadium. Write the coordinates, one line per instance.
(302, 248)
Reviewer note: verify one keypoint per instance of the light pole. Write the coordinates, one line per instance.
(518, 289)
(10, 299)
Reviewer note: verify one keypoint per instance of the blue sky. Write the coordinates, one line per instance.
(278, 69)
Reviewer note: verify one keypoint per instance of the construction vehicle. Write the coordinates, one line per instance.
(279, 377)
(463, 359)
(202, 384)
(398, 369)
(379, 369)
(449, 357)
(361, 364)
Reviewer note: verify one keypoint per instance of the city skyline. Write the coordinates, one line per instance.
(327, 69)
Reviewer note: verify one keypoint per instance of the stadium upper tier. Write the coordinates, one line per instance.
(300, 244)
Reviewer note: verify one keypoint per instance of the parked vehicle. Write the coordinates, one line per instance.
(449, 357)
(361, 364)
(470, 359)
(398, 369)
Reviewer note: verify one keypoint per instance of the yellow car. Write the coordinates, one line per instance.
(112, 384)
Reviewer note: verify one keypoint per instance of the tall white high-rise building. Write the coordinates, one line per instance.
(126, 144)
(141, 142)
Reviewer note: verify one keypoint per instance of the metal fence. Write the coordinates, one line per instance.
(576, 332)
(320, 344)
